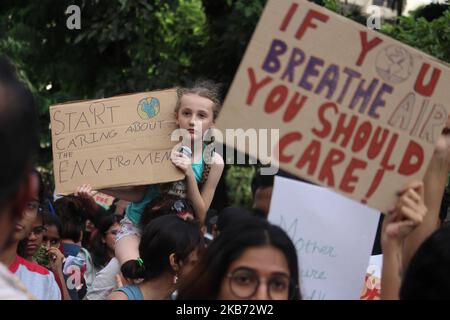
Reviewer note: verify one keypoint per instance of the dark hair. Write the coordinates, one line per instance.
(231, 217)
(18, 131)
(261, 181)
(73, 217)
(50, 219)
(162, 237)
(205, 279)
(427, 276)
(41, 188)
(98, 249)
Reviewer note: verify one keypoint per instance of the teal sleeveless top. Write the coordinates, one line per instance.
(134, 210)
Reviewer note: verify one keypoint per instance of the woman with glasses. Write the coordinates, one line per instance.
(254, 260)
(103, 242)
(168, 249)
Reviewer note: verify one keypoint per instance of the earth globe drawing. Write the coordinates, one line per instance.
(394, 64)
(148, 108)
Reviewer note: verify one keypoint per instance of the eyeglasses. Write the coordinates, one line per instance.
(37, 231)
(244, 283)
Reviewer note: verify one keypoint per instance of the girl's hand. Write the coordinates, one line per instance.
(84, 191)
(56, 259)
(407, 215)
(182, 162)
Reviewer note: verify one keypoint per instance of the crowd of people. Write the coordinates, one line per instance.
(159, 241)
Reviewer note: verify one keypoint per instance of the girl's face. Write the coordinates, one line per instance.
(188, 264)
(51, 237)
(35, 238)
(195, 115)
(110, 237)
(259, 273)
(29, 216)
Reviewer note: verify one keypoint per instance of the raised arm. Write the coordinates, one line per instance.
(201, 200)
(409, 213)
(434, 183)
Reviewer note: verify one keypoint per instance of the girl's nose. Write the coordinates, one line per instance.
(261, 292)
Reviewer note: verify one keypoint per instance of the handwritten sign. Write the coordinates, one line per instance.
(356, 110)
(119, 141)
(333, 236)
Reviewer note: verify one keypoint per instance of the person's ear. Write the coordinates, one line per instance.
(24, 195)
(173, 262)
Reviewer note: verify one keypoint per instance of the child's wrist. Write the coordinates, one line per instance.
(392, 245)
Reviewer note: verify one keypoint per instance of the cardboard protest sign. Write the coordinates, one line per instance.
(356, 110)
(333, 236)
(119, 141)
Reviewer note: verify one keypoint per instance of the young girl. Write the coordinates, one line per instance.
(168, 250)
(196, 111)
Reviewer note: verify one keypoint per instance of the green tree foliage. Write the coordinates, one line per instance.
(129, 46)
(238, 180)
(123, 46)
(431, 37)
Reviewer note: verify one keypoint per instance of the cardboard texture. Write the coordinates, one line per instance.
(112, 142)
(357, 111)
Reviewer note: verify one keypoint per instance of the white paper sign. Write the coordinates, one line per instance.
(333, 235)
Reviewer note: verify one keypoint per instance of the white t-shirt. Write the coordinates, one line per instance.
(104, 282)
(37, 279)
(10, 286)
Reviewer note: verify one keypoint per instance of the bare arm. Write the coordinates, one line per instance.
(200, 200)
(397, 225)
(56, 259)
(117, 295)
(434, 183)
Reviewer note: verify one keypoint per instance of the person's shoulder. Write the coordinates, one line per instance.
(11, 288)
(118, 294)
(33, 267)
